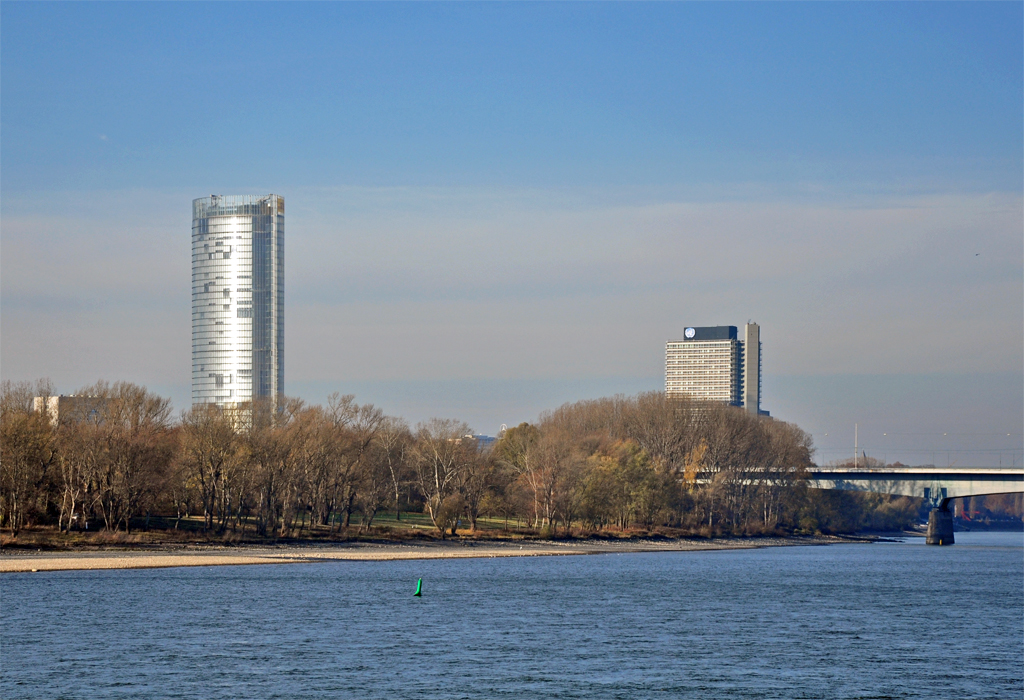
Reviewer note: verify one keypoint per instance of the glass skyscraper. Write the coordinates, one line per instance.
(237, 298)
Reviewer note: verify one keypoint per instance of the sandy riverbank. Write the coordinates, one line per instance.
(22, 561)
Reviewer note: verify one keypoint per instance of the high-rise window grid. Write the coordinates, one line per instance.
(715, 363)
(707, 370)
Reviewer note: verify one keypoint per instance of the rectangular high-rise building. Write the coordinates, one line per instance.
(712, 363)
(237, 299)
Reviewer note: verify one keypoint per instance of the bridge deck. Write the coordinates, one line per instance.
(934, 483)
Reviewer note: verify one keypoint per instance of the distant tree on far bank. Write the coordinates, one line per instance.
(28, 452)
(287, 469)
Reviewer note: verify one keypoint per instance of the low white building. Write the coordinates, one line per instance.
(68, 408)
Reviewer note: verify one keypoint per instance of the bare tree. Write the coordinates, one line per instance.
(27, 452)
(357, 428)
(208, 445)
(477, 480)
(395, 439)
(518, 451)
(264, 449)
(132, 447)
(376, 483)
(438, 463)
(74, 461)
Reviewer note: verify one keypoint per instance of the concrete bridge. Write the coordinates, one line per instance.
(935, 484)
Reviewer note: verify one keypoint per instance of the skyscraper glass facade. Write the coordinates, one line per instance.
(237, 298)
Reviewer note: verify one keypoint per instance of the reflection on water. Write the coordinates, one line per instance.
(980, 539)
(845, 621)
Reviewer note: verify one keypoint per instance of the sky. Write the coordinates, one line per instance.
(497, 208)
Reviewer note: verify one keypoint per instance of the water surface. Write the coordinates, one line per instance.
(844, 621)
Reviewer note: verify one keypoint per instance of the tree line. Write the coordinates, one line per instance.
(116, 457)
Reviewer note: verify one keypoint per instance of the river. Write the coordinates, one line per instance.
(842, 621)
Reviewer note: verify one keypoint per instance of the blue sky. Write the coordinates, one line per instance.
(511, 94)
(534, 197)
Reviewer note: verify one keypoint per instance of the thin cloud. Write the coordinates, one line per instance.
(532, 284)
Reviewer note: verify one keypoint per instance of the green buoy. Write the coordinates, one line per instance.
(419, 588)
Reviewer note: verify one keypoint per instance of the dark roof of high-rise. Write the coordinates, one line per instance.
(710, 333)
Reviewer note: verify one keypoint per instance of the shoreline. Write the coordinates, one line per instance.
(213, 555)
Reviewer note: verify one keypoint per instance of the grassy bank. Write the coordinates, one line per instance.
(158, 532)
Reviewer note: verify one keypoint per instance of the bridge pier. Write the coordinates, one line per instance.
(936, 484)
(940, 525)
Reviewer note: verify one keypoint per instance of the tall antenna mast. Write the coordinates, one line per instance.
(854, 445)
